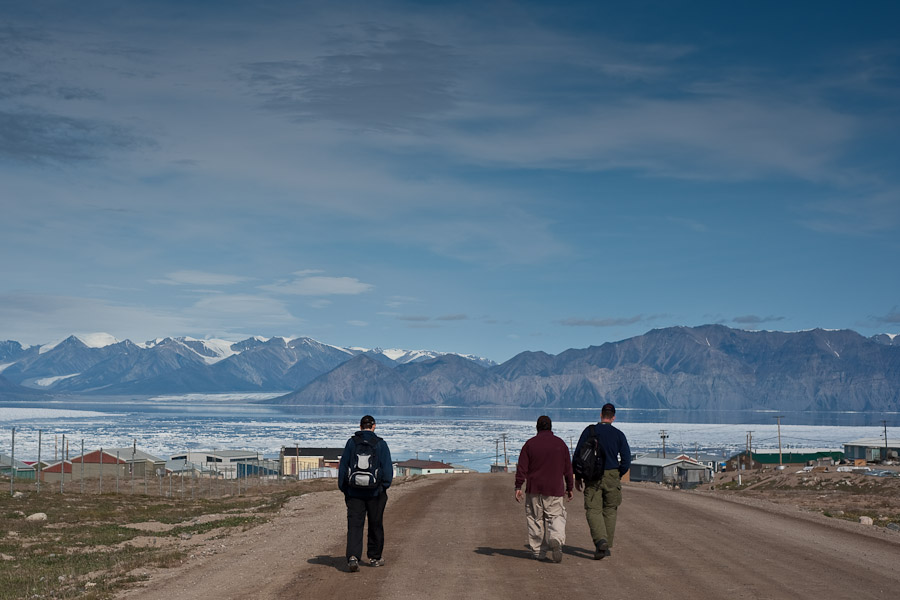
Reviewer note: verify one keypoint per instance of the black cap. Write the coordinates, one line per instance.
(366, 422)
(608, 409)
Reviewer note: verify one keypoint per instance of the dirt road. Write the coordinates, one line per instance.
(463, 536)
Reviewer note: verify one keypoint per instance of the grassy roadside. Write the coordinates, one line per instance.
(82, 549)
(840, 495)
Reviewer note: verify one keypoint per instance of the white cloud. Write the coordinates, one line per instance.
(320, 286)
(37, 319)
(320, 303)
(244, 304)
(200, 278)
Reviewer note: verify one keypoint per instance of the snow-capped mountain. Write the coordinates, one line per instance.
(402, 357)
(711, 367)
(99, 363)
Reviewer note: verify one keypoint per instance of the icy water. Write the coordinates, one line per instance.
(168, 425)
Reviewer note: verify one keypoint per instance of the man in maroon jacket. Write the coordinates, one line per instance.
(545, 464)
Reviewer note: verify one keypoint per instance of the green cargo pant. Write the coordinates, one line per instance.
(601, 502)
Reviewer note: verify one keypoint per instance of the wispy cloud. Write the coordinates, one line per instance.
(891, 318)
(453, 317)
(33, 137)
(245, 307)
(384, 79)
(200, 278)
(607, 322)
(756, 319)
(320, 285)
(397, 301)
(37, 319)
(865, 215)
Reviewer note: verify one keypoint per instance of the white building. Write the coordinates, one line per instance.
(218, 463)
(427, 467)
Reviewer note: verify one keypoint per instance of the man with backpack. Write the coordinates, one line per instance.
(545, 464)
(602, 457)
(364, 475)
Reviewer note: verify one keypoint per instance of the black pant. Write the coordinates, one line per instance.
(357, 510)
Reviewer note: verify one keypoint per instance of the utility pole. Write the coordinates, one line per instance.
(12, 465)
(885, 441)
(497, 452)
(663, 435)
(505, 457)
(779, 418)
(39, 469)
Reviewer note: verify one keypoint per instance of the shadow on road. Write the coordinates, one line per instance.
(578, 552)
(337, 562)
(526, 554)
(486, 551)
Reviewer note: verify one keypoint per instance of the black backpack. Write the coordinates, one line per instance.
(588, 465)
(363, 473)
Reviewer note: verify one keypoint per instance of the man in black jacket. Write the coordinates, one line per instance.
(603, 497)
(365, 498)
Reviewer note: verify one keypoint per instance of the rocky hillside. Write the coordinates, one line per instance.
(702, 368)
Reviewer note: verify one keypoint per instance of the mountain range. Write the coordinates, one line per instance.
(711, 367)
(99, 364)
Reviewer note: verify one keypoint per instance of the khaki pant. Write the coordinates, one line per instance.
(545, 518)
(601, 502)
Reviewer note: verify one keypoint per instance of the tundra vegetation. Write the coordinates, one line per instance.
(846, 496)
(93, 544)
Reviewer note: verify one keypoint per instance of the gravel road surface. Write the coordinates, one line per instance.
(463, 536)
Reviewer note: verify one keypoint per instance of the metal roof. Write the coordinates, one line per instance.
(326, 453)
(666, 462)
(878, 441)
(795, 450)
(126, 454)
(8, 461)
(423, 464)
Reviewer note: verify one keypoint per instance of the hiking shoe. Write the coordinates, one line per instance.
(556, 550)
(376, 562)
(353, 564)
(602, 550)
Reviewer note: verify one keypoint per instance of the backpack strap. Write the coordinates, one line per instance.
(358, 437)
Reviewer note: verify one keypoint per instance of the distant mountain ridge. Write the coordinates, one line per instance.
(702, 368)
(99, 364)
(711, 367)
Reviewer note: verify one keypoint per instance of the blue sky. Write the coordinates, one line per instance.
(474, 177)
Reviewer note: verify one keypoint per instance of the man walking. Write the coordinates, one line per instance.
(603, 496)
(545, 464)
(364, 475)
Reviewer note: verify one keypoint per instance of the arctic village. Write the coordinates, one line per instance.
(449, 300)
(162, 510)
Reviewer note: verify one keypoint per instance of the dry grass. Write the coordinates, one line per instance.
(840, 495)
(82, 550)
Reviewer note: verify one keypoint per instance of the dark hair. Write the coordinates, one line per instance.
(608, 411)
(544, 423)
(366, 422)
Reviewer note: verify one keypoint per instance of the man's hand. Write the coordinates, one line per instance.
(569, 495)
(519, 495)
(579, 485)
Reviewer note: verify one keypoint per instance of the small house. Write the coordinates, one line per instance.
(684, 472)
(218, 463)
(10, 467)
(427, 467)
(873, 449)
(295, 460)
